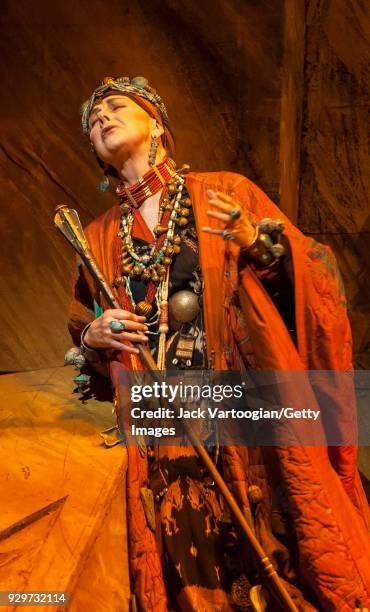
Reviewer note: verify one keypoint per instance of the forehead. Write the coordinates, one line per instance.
(114, 97)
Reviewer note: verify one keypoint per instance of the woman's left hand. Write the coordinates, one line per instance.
(237, 226)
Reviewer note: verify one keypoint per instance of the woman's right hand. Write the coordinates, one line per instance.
(100, 335)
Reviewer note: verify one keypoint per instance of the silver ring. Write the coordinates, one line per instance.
(117, 326)
(235, 213)
(227, 235)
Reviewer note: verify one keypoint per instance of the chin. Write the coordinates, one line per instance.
(114, 141)
(110, 147)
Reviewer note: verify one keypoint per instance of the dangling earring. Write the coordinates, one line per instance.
(104, 183)
(152, 151)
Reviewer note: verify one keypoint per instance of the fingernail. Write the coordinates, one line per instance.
(211, 194)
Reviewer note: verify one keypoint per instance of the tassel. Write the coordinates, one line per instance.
(163, 324)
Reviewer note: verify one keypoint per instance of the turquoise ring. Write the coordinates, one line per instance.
(117, 326)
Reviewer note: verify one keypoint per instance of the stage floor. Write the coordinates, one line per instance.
(51, 451)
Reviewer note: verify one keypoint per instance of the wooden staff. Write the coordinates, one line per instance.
(68, 222)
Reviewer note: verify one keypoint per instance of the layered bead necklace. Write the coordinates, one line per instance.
(153, 266)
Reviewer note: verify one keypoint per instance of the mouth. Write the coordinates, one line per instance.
(107, 129)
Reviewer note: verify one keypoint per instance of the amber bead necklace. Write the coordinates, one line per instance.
(152, 267)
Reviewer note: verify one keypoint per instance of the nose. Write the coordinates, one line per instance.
(103, 115)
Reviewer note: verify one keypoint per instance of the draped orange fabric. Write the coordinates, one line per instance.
(326, 499)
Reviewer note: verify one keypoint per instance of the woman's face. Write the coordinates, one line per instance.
(119, 126)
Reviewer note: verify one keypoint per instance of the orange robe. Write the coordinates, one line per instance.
(326, 499)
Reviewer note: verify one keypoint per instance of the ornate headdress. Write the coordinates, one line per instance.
(139, 91)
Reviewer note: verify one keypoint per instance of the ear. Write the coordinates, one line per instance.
(157, 130)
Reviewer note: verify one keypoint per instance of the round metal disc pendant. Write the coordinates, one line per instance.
(183, 307)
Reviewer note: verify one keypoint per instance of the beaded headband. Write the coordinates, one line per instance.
(138, 86)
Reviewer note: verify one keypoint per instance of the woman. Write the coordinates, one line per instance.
(208, 284)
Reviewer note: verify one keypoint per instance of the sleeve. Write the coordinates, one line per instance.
(311, 273)
(278, 282)
(82, 306)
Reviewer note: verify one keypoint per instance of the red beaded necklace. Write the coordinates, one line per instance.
(147, 185)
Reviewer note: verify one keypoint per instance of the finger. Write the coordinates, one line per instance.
(120, 314)
(115, 312)
(129, 325)
(118, 346)
(214, 195)
(224, 197)
(126, 315)
(212, 230)
(133, 337)
(227, 208)
(109, 312)
(211, 194)
(218, 215)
